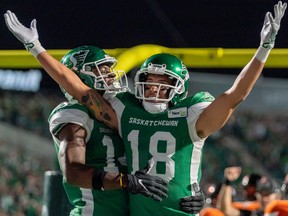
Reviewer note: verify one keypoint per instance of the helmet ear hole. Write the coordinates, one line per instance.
(88, 68)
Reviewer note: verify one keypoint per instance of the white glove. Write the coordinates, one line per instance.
(28, 36)
(269, 31)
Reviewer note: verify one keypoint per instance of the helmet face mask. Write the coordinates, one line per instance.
(163, 64)
(86, 62)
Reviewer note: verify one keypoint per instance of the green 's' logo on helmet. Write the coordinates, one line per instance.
(78, 58)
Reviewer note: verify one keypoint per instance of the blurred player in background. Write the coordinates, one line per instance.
(248, 200)
(249, 186)
(279, 207)
(266, 191)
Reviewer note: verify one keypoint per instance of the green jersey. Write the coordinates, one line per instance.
(104, 150)
(169, 138)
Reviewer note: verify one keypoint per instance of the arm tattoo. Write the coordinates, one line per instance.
(98, 107)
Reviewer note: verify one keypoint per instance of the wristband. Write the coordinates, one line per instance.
(226, 181)
(97, 179)
(262, 54)
(123, 181)
(34, 48)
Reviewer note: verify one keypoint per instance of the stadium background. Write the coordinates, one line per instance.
(254, 138)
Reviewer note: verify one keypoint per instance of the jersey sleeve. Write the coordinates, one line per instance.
(199, 102)
(65, 114)
(118, 106)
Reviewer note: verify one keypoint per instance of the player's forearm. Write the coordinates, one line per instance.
(90, 98)
(245, 82)
(247, 78)
(81, 175)
(224, 202)
(62, 75)
(100, 109)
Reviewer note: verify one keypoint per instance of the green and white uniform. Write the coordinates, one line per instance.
(104, 150)
(170, 139)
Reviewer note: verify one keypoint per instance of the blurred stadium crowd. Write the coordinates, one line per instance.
(21, 181)
(256, 142)
(22, 175)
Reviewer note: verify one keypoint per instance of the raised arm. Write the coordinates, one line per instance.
(218, 112)
(90, 98)
(224, 200)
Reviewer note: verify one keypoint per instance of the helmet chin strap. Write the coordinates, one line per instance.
(154, 108)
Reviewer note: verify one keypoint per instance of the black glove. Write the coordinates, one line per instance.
(145, 184)
(193, 204)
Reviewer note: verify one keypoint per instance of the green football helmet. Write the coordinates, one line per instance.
(164, 64)
(84, 60)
